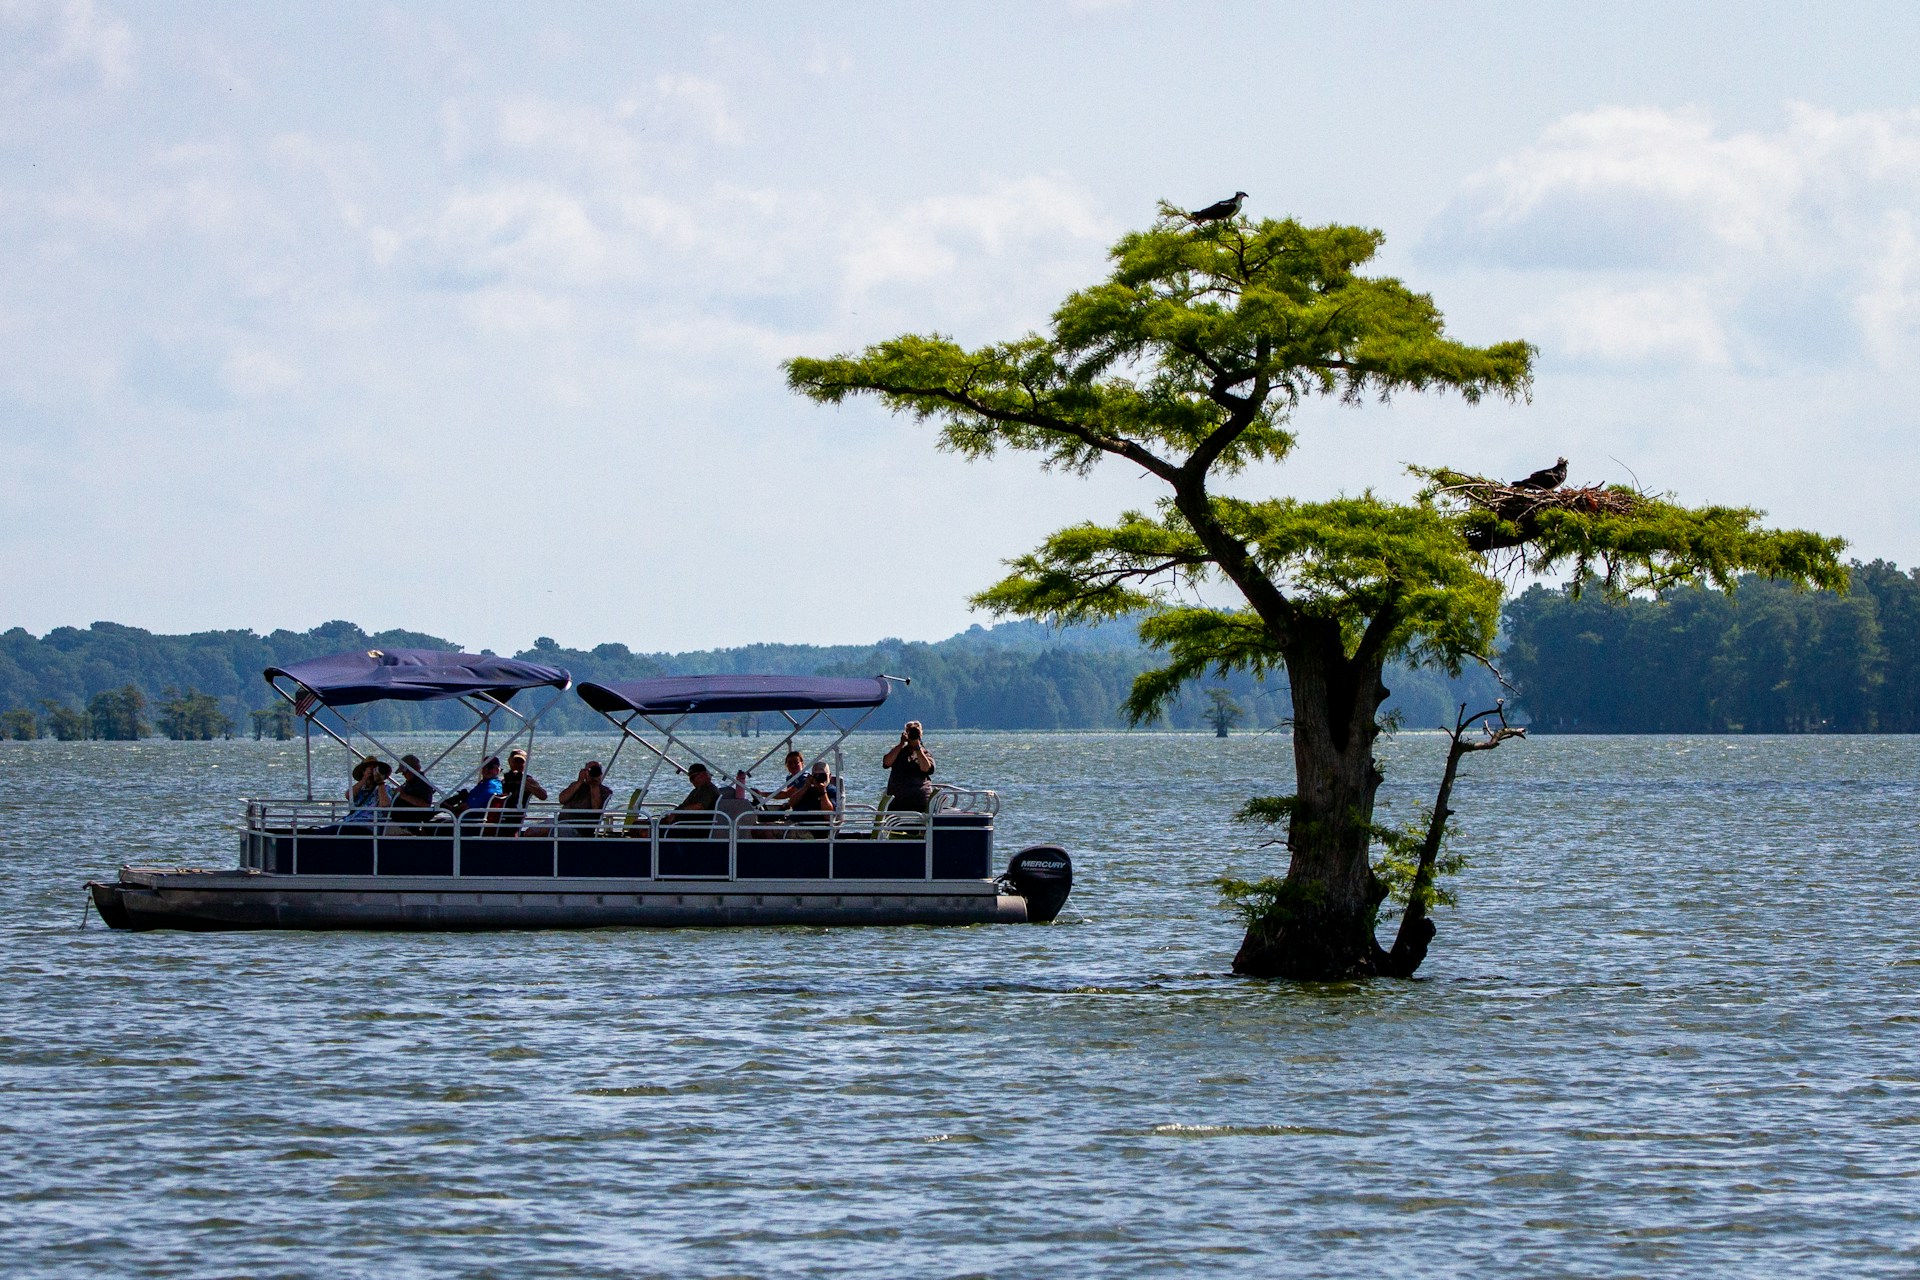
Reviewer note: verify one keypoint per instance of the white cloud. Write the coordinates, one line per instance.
(1641, 326)
(608, 217)
(581, 133)
(515, 310)
(826, 60)
(701, 103)
(1662, 234)
(925, 240)
(526, 233)
(1889, 309)
(586, 215)
(59, 36)
(253, 374)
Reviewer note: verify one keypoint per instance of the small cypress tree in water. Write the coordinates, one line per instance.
(193, 716)
(1187, 363)
(1222, 711)
(66, 723)
(119, 715)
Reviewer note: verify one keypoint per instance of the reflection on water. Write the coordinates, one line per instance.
(1670, 1030)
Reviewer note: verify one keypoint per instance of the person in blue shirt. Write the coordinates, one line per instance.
(368, 798)
(487, 790)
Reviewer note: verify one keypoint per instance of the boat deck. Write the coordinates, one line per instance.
(181, 898)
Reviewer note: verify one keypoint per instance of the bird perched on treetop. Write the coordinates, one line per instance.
(1219, 210)
(1546, 478)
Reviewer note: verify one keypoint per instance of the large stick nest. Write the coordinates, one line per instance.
(1517, 507)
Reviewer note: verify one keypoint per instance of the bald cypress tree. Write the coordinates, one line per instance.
(1188, 362)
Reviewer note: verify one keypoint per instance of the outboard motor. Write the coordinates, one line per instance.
(1043, 875)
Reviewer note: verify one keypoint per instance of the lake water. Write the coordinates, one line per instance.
(1673, 1028)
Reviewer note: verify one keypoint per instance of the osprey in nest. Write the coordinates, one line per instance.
(1219, 210)
(1546, 478)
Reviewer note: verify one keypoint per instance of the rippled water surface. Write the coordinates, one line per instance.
(1670, 1030)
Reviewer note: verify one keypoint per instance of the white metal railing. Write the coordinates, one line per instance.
(949, 798)
(402, 829)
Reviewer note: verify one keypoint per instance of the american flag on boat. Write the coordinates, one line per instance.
(306, 702)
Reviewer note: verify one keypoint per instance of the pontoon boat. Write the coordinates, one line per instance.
(321, 864)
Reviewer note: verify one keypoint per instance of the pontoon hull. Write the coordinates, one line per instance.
(242, 899)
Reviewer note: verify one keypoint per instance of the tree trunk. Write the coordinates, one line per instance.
(1322, 928)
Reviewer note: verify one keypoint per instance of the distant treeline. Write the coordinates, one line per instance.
(1769, 659)
(111, 681)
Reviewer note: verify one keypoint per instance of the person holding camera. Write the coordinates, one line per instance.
(582, 800)
(368, 798)
(909, 767)
(813, 807)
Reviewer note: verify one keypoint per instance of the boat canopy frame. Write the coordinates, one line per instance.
(482, 683)
(650, 702)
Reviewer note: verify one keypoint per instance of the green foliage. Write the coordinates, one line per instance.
(67, 723)
(272, 722)
(1197, 641)
(1637, 542)
(1398, 865)
(193, 716)
(1019, 675)
(1348, 562)
(1223, 712)
(19, 725)
(70, 666)
(1353, 560)
(1269, 902)
(1189, 361)
(1268, 809)
(1089, 572)
(1194, 331)
(1768, 658)
(119, 715)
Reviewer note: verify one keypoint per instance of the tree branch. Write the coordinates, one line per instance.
(1230, 555)
(1380, 628)
(1244, 410)
(1416, 930)
(1119, 446)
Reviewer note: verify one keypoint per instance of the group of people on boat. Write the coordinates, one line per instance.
(500, 797)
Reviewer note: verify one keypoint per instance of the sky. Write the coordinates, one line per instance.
(468, 318)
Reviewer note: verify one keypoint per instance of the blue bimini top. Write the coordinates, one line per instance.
(415, 675)
(675, 694)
